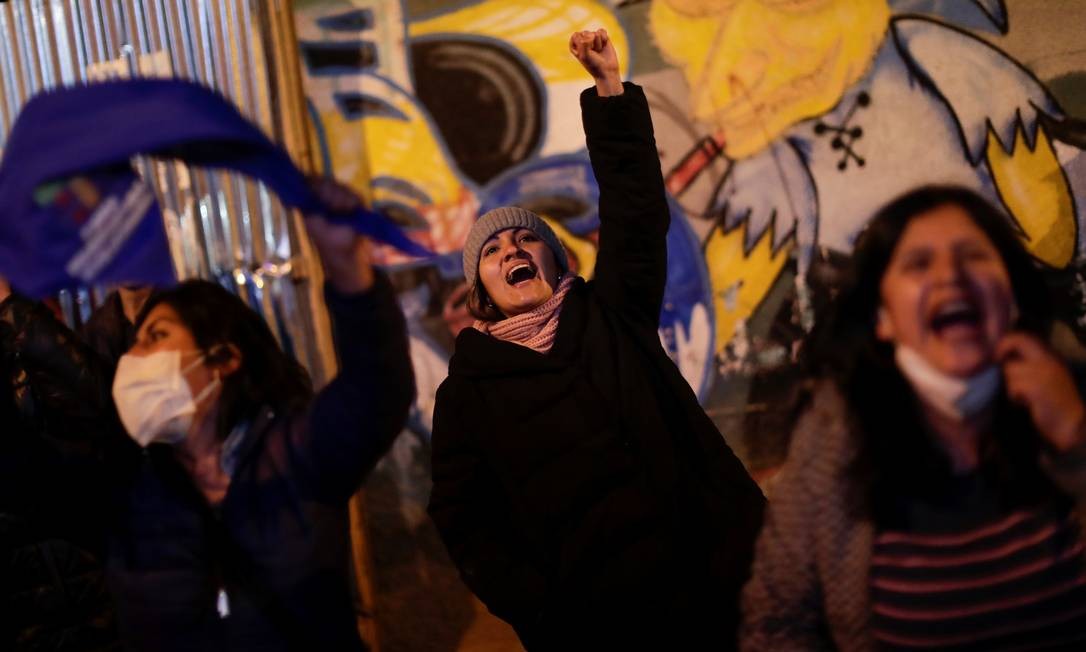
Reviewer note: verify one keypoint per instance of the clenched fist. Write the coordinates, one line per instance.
(597, 54)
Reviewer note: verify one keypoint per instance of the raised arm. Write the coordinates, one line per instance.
(354, 420)
(631, 268)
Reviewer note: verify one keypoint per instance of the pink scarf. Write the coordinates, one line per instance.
(534, 329)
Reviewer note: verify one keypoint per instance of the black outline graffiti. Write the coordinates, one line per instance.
(846, 134)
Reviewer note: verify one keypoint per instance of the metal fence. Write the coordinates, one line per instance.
(220, 226)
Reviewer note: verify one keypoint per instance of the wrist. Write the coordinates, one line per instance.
(609, 85)
(350, 273)
(1073, 435)
(349, 281)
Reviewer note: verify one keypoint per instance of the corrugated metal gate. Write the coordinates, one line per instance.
(220, 226)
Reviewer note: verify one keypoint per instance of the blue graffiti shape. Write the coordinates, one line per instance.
(985, 15)
(1022, 99)
(402, 187)
(351, 21)
(561, 187)
(355, 106)
(787, 206)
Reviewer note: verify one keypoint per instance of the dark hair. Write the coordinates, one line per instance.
(893, 453)
(479, 304)
(216, 317)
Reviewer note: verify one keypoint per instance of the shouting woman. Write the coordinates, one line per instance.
(581, 490)
(933, 488)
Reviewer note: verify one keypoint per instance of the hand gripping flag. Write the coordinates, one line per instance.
(72, 211)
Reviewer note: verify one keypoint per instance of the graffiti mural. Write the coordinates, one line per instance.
(826, 110)
(782, 126)
(439, 117)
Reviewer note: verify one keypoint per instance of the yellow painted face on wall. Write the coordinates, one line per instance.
(756, 67)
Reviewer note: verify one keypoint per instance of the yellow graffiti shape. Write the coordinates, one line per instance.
(757, 67)
(398, 159)
(538, 28)
(582, 250)
(740, 280)
(1034, 189)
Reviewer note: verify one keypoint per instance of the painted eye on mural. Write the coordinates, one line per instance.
(359, 105)
(352, 21)
(402, 215)
(487, 103)
(339, 57)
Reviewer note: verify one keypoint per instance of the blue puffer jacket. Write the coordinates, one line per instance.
(267, 568)
(274, 552)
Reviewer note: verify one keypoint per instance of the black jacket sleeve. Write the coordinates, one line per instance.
(356, 417)
(467, 504)
(631, 268)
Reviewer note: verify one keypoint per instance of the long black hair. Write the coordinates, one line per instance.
(896, 459)
(216, 317)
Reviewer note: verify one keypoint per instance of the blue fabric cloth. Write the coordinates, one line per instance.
(93, 131)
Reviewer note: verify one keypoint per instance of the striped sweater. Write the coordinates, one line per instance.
(811, 585)
(1012, 583)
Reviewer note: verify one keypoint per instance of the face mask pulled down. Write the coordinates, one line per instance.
(154, 400)
(956, 398)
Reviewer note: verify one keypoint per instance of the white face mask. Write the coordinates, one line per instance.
(957, 398)
(153, 398)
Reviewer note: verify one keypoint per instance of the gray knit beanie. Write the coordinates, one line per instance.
(500, 219)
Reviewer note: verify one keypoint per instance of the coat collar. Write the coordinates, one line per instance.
(239, 446)
(479, 355)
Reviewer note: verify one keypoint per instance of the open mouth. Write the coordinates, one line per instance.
(520, 273)
(955, 313)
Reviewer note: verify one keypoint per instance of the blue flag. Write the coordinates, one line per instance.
(73, 212)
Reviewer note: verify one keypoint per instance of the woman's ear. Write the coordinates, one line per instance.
(224, 358)
(884, 326)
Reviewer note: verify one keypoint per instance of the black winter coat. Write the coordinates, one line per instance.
(584, 494)
(278, 543)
